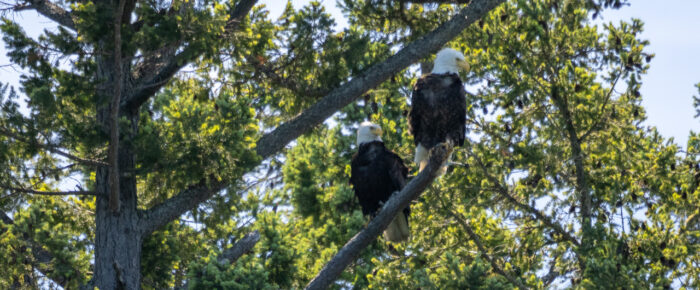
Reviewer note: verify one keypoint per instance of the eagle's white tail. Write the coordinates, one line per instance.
(421, 158)
(398, 230)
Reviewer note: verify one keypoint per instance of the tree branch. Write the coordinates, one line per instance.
(148, 85)
(114, 111)
(337, 99)
(276, 140)
(241, 247)
(475, 238)
(231, 255)
(52, 149)
(581, 185)
(174, 207)
(538, 215)
(40, 192)
(50, 10)
(391, 208)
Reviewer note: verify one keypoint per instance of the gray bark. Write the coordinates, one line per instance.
(118, 237)
(51, 11)
(241, 247)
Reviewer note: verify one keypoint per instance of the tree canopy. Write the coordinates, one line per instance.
(202, 144)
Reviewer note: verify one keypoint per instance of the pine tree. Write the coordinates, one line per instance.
(209, 147)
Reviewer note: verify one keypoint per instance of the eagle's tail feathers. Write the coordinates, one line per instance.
(421, 157)
(398, 230)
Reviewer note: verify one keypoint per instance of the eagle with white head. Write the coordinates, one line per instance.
(376, 173)
(438, 106)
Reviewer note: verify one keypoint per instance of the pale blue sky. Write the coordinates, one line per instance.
(667, 90)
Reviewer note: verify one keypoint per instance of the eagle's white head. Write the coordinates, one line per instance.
(368, 132)
(449, 60)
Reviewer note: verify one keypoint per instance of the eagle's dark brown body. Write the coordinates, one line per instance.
(376, 173)
(438, 110)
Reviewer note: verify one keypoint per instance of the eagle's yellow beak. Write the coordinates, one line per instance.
(463, 64)
(377, 131)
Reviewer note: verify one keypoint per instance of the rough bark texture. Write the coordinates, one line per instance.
(118, 238)
(398, 201)
(51, 11)
(114, 112)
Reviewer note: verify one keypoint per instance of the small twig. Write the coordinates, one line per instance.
(602, 110)
(52, 149)
(499, 188)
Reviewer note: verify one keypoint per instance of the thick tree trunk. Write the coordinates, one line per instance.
(119, 237)
(117, 246)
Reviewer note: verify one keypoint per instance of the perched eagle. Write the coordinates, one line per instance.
(438, 106)
(376, 173)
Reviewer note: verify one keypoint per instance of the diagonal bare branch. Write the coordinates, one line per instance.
(273, 142)
(52, 149)
(50, 10)
(184, 201)
(393, 206)
(148, 84)
(337, 99)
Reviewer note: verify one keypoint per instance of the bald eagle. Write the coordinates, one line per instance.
(376, 173)
(438, 106)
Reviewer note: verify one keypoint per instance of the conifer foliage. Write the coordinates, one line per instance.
(235, 133)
